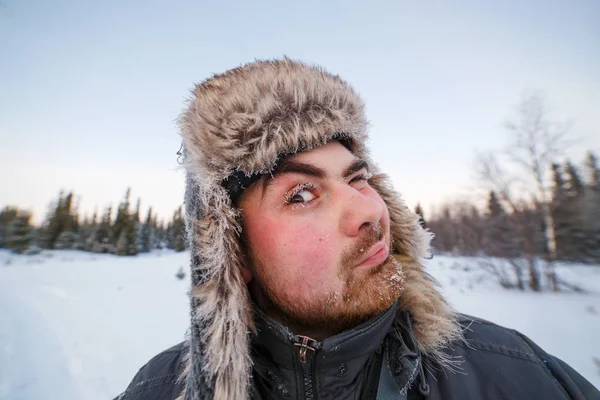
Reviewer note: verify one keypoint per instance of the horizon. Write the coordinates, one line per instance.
(91, 91)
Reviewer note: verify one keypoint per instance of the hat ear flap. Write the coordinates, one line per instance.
(218, 361)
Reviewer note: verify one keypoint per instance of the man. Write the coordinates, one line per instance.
(307, 277)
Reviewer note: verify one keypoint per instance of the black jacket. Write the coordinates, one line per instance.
(492, 363)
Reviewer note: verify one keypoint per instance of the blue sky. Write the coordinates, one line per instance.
(89, 91)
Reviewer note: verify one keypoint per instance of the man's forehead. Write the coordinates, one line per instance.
(333, 150)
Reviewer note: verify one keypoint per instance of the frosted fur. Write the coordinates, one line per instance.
(245, 120)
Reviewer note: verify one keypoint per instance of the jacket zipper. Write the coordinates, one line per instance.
(306, 353)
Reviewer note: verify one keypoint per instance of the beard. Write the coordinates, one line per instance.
(365, 293)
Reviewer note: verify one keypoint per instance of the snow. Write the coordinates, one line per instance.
(78, 326)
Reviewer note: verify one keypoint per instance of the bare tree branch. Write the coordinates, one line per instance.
(492, 176)
(536, 142)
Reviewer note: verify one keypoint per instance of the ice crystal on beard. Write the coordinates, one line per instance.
(334, 298)
(400, 275)
(377, 228)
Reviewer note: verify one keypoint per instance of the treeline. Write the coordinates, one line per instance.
(128, 233)
(518, 229)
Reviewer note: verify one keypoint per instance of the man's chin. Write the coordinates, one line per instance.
(365, 296)
(371, 294)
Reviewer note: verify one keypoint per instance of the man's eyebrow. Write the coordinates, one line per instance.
(356, 166)
(290, 166)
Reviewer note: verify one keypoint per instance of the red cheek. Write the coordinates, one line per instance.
(304, 249)
(312, 251)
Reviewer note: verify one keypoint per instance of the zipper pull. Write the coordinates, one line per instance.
(304, 346)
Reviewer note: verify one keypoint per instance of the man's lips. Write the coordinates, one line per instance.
(376, 255)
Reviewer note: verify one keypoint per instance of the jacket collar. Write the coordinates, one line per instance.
(339, 363)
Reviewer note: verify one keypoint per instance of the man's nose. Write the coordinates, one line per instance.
(360, 211)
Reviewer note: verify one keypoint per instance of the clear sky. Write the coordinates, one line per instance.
(90, 90)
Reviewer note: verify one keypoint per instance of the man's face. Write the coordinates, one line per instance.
(318, 242)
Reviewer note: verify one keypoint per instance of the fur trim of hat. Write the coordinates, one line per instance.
(245, 120)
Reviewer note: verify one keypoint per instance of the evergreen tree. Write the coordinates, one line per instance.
(574, 233)
(6, 217)
(495, 209)
(119, 228)
(169, 236)
(558, 187)
(131, 236)
(148, 233)
(55, 221)
(126, 244)
(574, 185)
(562, 213)
(500, 235)
(590, 210)
(119, 233)
(121, 245)
(160, 241)
(139, 227)
(124, 228)
(63, 218)
(593, 171)
(84, 228)
(67, 240)
(590, 224)
(19, 233)
(136, 213)
(176, 231)
(102, 242)
(89, 233)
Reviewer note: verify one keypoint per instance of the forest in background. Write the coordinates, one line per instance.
(540, 208)
(125, 233)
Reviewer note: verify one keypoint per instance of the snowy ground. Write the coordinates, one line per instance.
(77, 326)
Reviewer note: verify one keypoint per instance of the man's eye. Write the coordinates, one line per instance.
(303, 193)
(303, 196)
(362, 177)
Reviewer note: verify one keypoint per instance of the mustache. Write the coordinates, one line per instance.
(353, 254)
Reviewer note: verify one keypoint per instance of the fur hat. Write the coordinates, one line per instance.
(240, 123)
